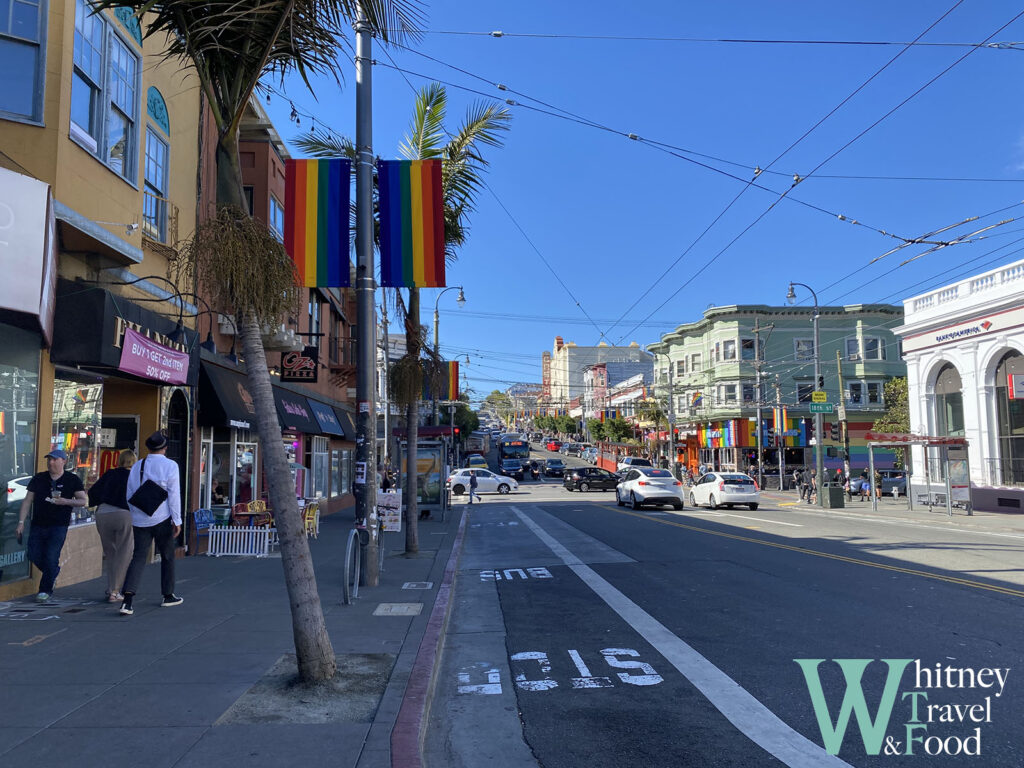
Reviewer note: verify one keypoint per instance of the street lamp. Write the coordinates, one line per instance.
(461, 301)
(818, 385)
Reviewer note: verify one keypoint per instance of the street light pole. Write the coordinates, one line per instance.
(818, 385)
(460, 300)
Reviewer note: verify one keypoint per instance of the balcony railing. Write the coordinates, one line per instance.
(159, 219)
(1005, 472)
(341, 351)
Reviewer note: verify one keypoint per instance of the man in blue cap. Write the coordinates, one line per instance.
(50, 497)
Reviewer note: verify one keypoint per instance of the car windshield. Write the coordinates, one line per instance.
(650, 472)
(554, 462)
(638, 462)
(738, 479)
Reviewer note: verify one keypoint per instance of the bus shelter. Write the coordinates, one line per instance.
(953, 477)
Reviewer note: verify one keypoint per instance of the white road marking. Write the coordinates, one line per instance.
(762, 520)
(750, 716)
(587, 680)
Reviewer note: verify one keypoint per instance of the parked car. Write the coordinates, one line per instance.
(475, 460)
(486, 482)
(725, 489)
(565, 448)
(554, 468)
(647, 485)
(553, 445)
(589, 478)
(17, 488)
(511, 468)
(589, 454)
(628, 462)
(579, 448)
(892, 480)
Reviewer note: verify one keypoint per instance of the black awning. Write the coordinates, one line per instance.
(224, 399)
(294, 412)
(348, 424)
(326, 417)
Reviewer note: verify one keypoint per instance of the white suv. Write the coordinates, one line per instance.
(629, 462)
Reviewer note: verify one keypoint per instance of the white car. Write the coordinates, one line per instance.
(628, 462)
(17, 489)
(486, 482)
(647, 485)
(718, 489)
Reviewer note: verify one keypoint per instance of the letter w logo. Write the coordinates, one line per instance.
(872, 731)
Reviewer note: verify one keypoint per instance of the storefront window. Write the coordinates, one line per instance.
(336, 487)
(949, 402)
(19, 383)
(205, 451)
(77, 417)
(1011, 422)
(245, 472)
(320, 467)
(346, 471)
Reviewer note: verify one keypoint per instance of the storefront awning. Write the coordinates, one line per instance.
(224, 399)
(294, 412)
(325, 416)
(348, 424)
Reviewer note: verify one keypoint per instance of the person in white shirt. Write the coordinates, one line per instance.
(162, 527)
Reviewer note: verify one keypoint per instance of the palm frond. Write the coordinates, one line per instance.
(425, 139)
(325, 144)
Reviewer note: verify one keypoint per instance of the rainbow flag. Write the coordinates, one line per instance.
(448, 388)
(316, 211)
(453, 380)
(411, 224)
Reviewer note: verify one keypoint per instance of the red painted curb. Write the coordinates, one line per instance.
(406, 737)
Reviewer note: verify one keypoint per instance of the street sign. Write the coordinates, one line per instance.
(821, 407)
(841, 412)
(819, 396)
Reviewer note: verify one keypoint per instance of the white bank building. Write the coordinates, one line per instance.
(964, 349)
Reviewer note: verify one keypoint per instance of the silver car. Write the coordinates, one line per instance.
(724, 489)
(647, 485)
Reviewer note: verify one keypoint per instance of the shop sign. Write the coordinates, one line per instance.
(1016, 386)
(300, 366)
(150, 360)
(983, 326)
(28, 243)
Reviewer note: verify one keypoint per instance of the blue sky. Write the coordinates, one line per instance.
(607, 216)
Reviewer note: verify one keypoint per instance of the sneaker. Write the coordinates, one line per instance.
(126, 607)
(42, 597)
(170, 600)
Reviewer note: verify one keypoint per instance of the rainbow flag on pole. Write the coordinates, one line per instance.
(316, 211)
(411, 224)
(453, 380)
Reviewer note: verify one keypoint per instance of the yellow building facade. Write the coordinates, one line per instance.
(99, 160)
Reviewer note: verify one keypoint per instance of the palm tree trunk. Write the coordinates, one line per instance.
(412, 342)
(229, 172)
(312, 643)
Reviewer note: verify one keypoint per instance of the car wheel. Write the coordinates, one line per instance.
(458, 490)
(752, 507)
(633, 502)
(584, 487)
(504, 488)
(677, 506)
(619, 501)
(712, 503)
(693, 500)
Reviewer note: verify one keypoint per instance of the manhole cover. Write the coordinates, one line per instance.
(398, 609)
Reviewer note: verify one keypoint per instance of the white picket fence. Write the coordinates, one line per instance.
(239, 541)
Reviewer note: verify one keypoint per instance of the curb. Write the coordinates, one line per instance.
(409, 731)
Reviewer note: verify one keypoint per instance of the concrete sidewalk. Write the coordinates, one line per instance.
(82, 686)
(890, 508)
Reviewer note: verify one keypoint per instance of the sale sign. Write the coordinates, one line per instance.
(150, 360)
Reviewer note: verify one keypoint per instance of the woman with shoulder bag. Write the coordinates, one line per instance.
(109, 495)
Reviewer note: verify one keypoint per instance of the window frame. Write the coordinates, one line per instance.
(276, 207)
(804, 392)
(748, 343)
(96, 143)
(726, 347)
(880, 349)
(161, 195)
(39, 84)
(799, 353)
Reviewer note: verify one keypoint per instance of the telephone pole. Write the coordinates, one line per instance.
(780, 440)
(841, 414)
(757, 390)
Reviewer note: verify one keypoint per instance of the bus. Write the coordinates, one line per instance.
(513, 449)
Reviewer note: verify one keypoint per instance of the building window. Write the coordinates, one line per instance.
(314, 319)
(319, 461)
(154, 201)
(874, 349)
(695, 362)
(874, 393)
(718, 351)
(747, 349)
(729, 349)
(853, 349)
(277, 218)
(949, 402)
(748, 393)
(248, 191)
(727, 393)
(856, 393)
(104, 92)
(804, 392)
(680, 367)
(22, 26)
(804, 349)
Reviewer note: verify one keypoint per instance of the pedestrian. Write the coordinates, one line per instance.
(473, 486)
(50, 497)
(865, 486)
(805, 485)
(812, 486)
(109, 495)
(161, 527)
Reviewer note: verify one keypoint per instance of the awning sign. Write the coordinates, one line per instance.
(150, 360)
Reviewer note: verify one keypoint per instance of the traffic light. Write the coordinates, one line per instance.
(835, 432)
(770, 435)
(456, 430)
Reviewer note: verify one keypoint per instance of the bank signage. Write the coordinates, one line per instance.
(998, 322)
(150, 360)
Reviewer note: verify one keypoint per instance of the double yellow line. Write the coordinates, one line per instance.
(805, 551)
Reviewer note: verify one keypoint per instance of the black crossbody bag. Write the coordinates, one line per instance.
(149, 496)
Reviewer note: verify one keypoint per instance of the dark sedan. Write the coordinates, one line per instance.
(590, 478)
(511, 468)
(554, 468)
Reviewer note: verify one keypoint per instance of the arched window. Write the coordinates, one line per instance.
(949, 402)
(1010, 427)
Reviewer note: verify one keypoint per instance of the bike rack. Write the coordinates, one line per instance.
(353, 557)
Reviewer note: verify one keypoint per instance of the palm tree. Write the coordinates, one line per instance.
(230, 47)
(461, 180)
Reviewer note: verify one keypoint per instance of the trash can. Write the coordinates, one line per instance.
(833, 496)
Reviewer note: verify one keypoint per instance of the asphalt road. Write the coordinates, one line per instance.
(588, 635)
